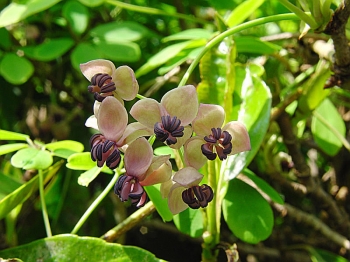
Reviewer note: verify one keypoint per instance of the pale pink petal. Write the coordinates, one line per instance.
(188, 177)
(165, 188)
(91, 122)
(147, 111)
(181, 140)
(240, 137)
(175, 202)
(94, 67)
(133, 131)
(125, 82)
(193, 155)
(159, 171)
(181, 102)
(112, 118)
(209, 116)
(138, 157)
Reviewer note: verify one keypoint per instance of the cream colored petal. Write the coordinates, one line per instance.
(209, 116)
(133, 131)
(240, 137)
(181, 140)
(112, 118)
(138, 158)
(126, 84)
(94, 67)
(147, 111)
(91, 122)
(193, 155)
(188, 177)
(165, 188)
(181, 102)
(159, 171)
(175, 202)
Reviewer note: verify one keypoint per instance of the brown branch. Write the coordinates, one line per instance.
(336, 28)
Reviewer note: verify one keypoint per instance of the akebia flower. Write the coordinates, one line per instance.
(142, 169)
(213, 140)
(106, 80)
(112, 122)
(171, 117)
(186, 191)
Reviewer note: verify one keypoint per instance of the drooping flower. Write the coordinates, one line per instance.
(186, 192)
(212, 139)
(171, 117)
(112, 122)
(106, 80)
(142, 169)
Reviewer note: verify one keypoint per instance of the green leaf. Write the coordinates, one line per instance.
(189, 34)
(9, 135)
(164, 150)
(122, 51)
(190, 222)
(77, 16)
(85, 178)
(328, 128)
(22, 193)
(5, 38)
(31, 158)
(320, 255)
(16, 70)
(159, 202)
(247, 214)
(264, 187)
(92, 3)
(243, 11)
(4, 149)
(49, 50)
(249, 44)
(116, 32)
(252, 106)
(8, 184)
(83, 53)
(16, 12)
(65, 148)
(83, 161)
(70, 247)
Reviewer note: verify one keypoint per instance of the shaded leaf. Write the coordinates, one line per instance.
(159, 202)
(31, 158)
(16, 70)
(77, 16)
(122, 51)
(247, 214)
(83, 53)
(69, 247)
(190, 222)
(249, 44)
(8, 184)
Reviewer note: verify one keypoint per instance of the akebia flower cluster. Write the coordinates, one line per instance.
(178, 120)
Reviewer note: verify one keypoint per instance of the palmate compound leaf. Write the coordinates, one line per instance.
(23, 68)
(22, 193)
(32, 158)
(247, 214)
(73, 248)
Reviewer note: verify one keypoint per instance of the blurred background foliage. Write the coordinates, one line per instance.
(45, 96)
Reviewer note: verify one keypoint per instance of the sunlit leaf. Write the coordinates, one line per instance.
(249, 44)
(122, 51)
(65, 148)
(189, 34)
(32, 158)
(164, 150)
(243, 11)
(83, 161)
(116, 32)
(23, 192)
(328, 127)
(92, 3)
(77, 16)
(247, 214)
(16, 12)
(159, 202)
(9, 135)
(5, 149)
(15, 69)
(67, 247)
(85, 178)
(190, 222)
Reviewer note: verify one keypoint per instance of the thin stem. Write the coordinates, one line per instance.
(43, 204)
(97, 201)
(232, 31)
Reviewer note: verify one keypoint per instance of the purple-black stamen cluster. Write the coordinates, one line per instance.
(169, 129)
(129, 187)
(102, 86)
(104, 151)
(218, 144)
(198, 196)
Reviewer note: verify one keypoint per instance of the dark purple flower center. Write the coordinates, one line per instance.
(198, 196)
(218, 143)
(104, 151)
(129, 187)
(169, 129)
(102, 86)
